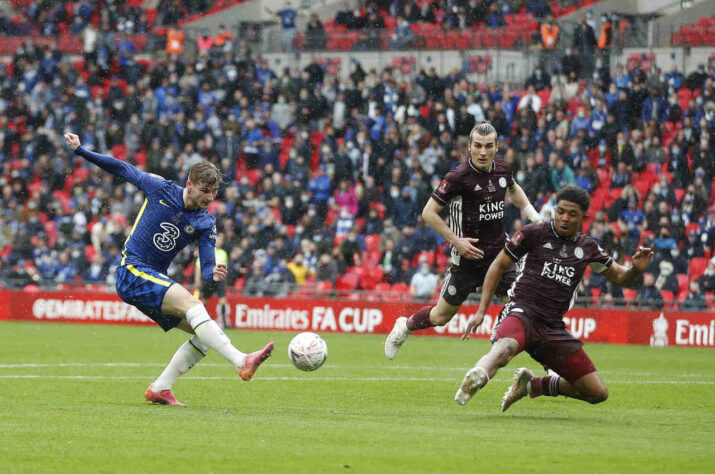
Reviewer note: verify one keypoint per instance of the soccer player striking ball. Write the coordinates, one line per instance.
(557, 255)
(475, 192)
(170, 218)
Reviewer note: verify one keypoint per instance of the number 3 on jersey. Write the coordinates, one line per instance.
(166, 240)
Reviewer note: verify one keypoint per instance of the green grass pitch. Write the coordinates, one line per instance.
(72, 400)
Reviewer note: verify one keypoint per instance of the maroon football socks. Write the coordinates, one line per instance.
(548, 386)
(420, 320)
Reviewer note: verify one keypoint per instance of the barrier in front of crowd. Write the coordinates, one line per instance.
(614, 326)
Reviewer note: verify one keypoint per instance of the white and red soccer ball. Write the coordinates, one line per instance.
(307, 351)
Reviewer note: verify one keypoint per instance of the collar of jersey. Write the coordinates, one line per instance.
(477, 169)
(563, 238)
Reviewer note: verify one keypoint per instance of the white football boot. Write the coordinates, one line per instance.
(475, 379)
(396, 338)
(519, 388)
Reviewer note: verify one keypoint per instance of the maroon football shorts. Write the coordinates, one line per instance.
(549, 344)
(459, 282)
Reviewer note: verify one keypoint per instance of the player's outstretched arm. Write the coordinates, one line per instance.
(520, 200)
(491, 280)
(627, 275)
(107, 163)
(430, 214)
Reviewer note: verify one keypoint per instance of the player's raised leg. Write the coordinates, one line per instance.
(179, 302)
(425, 317)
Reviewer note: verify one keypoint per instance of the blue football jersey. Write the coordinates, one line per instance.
(163, 226)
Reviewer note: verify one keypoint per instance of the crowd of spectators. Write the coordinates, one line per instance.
(324, 176)
(52, 17)
(420, 23)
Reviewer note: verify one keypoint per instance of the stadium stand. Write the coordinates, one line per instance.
(434, 25)
(701, 33)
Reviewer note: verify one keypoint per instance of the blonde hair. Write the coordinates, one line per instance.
(205, 173)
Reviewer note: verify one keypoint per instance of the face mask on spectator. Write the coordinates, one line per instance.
(621, 142)
(699, 101)
(394, 194)
(674, 253)
(666, 272)
(602, 148)
(520, 177)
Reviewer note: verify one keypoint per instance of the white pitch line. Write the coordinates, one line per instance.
(324, 379)
(330, 366)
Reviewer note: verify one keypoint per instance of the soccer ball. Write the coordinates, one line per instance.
(307, 351)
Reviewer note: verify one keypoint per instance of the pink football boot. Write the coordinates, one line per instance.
(253, 360)
(165, 397)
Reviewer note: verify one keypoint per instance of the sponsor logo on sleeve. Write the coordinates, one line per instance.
(443, 186)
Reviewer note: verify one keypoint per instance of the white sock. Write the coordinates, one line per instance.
(189, 354)
(212, 336)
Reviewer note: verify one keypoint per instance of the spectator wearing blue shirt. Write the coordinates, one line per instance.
(598, 117)
(263, 72)
(675, 78)
(64, 268)
(97, 271)
(620, 78)
(579, 122)
(405, 210)
(583, 180)
(611, 96)
(655, 107)
(320, 186)
(287, 18)
(664, 242)
(631, 222)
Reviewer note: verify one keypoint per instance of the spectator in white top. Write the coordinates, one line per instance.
(424, 282)
(530, 100)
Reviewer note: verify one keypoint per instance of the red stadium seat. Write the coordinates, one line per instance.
(710, 300)
(373, 258)
(668, 297)
(682, 283)
(347, 282)
(372, 242)
(383, 287)
(696, 267)
(629, 294)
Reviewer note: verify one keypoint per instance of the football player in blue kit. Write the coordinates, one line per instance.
(169, 219)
